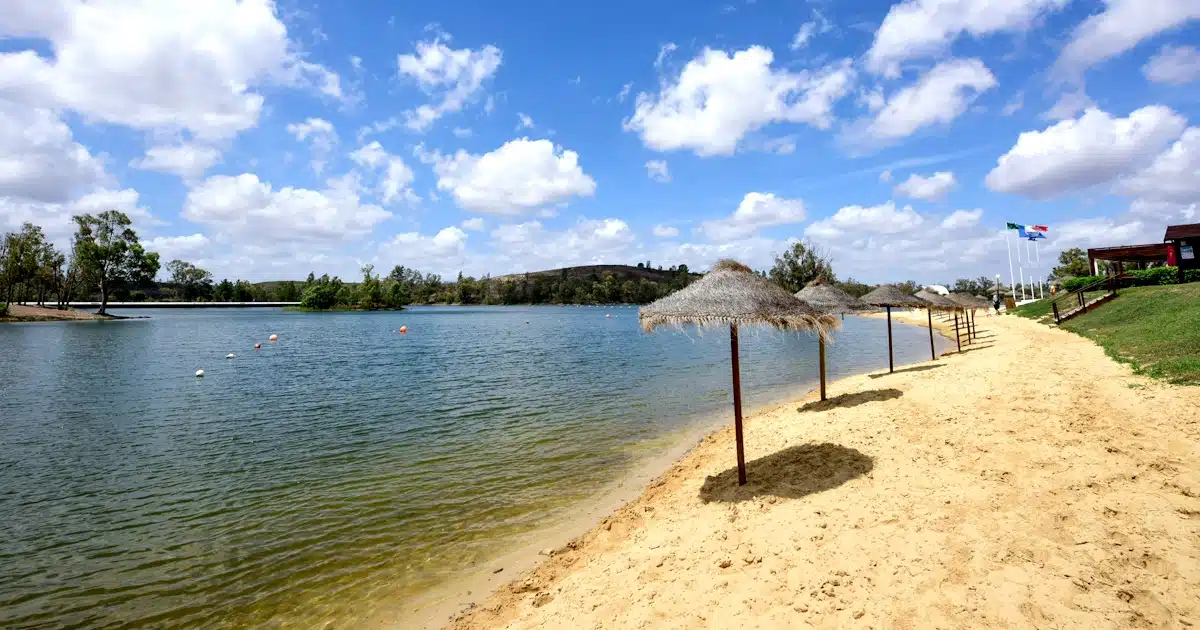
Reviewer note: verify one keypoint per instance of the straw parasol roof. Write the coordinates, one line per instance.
(938, 302)
(963, 300)
(889, 295)
(830, 299)
(733, 294)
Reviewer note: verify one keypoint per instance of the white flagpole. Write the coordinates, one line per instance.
(1012, 278)
(1037, 249)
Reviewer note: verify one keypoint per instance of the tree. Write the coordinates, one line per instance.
(22, 250)
(109, 254)
(223, 292)
(370, 294)
(1072, 263)
(190, 281)
(985, 285)
(321, 293)
(243, 291)
(288, 292)
(908, 287)
(800, 265)
(854, 287)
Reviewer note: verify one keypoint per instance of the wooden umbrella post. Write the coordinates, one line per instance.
(932, 352)
(891, 363)
(822, 341)
(957, 339)
(737, 405)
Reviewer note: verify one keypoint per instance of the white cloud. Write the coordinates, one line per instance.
(444, 251)
(40, 160)
(624, 93)
(530, 246)
(178, 64)
(188, 161)
(937, 97)
(395, 177)
(1069, 105)
(1175, 65)
(960, 219)
(932, 188)
(1078, 154)
(1015, 105)
(657, 171)
(519, 177)
(818, 25)
(1173, 176)
(456, 75)
(881, 219)
(1101, 232)
(524, 121)
(922, 28)
(664, 51)
(1122, 25)
(247, 209)
(718, 98)
(665, 231)
(322, 136)
(475, 224)
(178, 247)
(55, 218)
(755, 212)
(885, 176)
(460, 132)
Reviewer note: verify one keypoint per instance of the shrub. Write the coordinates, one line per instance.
(1078, 283)
(1191, 275)
(3, 310)
(1155, 276)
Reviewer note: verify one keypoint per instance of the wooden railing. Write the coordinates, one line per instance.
(1077, 302)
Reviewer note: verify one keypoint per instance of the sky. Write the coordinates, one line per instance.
(264, 140)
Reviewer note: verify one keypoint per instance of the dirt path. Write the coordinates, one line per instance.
(1028, 482)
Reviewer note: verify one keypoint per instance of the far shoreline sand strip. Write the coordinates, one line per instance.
(1028, 481)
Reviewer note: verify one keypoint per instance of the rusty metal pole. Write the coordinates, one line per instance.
(737, 405)
(891, 365)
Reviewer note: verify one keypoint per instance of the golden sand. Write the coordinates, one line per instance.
(1028, 482)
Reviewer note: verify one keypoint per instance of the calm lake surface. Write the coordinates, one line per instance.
(346, 467)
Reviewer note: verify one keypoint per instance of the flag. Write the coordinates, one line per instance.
(1014, 226)
(1033, 236)
(1036, 228)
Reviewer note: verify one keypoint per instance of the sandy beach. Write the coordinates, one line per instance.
(24, 313)
(1027, 482)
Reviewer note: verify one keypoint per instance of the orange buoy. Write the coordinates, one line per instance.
(404, 330)
(257, 346)
(273, 338)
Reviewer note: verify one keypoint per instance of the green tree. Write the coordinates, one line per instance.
(223, 292)
(985, 285)
(908, 287)
(190, 281)
(1072, 263)
(854, 287)
(370, 292)
(321, 293)
(243, 291)
(801, 264)
(109, 254)
(23, 251)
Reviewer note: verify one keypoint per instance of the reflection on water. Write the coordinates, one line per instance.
(342, 468)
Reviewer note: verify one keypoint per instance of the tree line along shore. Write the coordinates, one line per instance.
(106, 261)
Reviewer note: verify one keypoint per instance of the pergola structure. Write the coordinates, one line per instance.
(1138, 255)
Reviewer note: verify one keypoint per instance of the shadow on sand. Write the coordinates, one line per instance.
(852, 400)
(794, 472)
(970, 348)
(914, 368)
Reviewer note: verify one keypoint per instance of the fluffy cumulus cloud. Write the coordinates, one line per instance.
(657, 170)
(321, 136)
(531, 245)
(1175, 65)
(719, 97)
(1078, 154)
(882, 219)
(665, 231)
(179, 64)
(189, 247)
(55, 218)
(960, 219)
(921, 28)
(1122, 25)
(188, 160)
(1174, 175)
(247, 209)
(443, 252)
(931, 188)
(937, 97)
(474, 224)
(755, 212)
(40, 160)
(452, 76)
(394, 176)
(521, 176)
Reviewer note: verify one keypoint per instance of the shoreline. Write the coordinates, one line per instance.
(886, 508)
(441, 606)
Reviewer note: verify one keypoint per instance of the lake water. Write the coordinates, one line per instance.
(346, 467)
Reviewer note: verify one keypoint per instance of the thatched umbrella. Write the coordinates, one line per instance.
(943, 304)
(888, 296)
(968, 304)
(829, 299)
(937, 301)
(732, 294)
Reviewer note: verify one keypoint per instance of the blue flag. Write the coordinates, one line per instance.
(1033, 236)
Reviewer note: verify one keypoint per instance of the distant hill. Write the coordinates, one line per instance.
(586, 272)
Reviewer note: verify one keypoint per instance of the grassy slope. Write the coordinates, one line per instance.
(1035, 310)
(1156, 329)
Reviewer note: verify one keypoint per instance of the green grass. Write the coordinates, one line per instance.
(1154, 329)
(1034, 310)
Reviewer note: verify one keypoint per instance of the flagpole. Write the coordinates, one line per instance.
(1012, 278)
(1037, 249)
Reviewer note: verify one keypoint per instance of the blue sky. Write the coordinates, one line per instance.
(264, 140)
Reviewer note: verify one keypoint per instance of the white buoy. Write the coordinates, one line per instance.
(229, 356)
(273, 338)
(199, 373)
